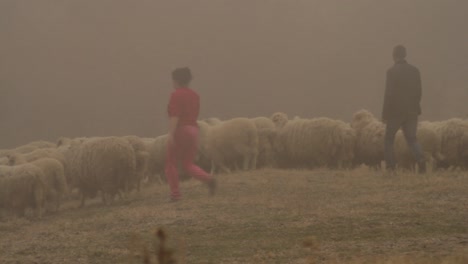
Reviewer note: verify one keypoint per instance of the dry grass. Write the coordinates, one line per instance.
(266, 216)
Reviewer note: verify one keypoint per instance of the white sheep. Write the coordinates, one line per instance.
(102, 164)
(203, 159)
(43, 153)
(233, 140)
(157, 158)
(70, 149)
(454, 137)
(264, 127)
(53, 177)
(141, 159)
(148, 143)
(21, 187)
(312, 143)
(370, 135)
(28, 147)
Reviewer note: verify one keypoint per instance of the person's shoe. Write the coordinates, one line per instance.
(173, 199)
(212, 186)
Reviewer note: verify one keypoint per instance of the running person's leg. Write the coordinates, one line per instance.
(188, 154)
(172, 174)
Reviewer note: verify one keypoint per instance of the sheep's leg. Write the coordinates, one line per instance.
(126, 187)
(57, 205)
(103, 196)
(111, 198)
(82, 200)
(213, 167)
(121, 195)
(160, 178)
(246, 162)
(339, 165)
(39, 212)
(55, 201)
(236, 166)
(224, 168)
(430, 161)
(219, 164)
(20, 211)
(39, 199)
(139, 183)
(254, 161)
(250, 161)
(212, 171)
(150, 177)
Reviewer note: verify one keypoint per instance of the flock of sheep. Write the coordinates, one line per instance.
(40, 174)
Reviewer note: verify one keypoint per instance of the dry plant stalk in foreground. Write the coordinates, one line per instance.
(161, 255)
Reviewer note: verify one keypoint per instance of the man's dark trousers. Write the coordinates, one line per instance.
(409, 126)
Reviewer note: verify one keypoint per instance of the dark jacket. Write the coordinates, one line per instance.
(402, 92)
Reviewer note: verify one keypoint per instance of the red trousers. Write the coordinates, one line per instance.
(183, 149)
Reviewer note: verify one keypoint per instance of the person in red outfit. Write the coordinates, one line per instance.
(183, 110)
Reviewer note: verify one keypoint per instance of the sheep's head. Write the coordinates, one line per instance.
(13, 159)
(464, 149)
(279, 119)
(62, 141)
(362, 118)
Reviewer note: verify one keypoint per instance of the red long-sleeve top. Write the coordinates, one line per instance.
(184, 104)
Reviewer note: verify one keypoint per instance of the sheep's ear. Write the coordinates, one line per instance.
(60, 142)
(11, 159)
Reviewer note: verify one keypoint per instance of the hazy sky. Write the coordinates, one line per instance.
(102, 67)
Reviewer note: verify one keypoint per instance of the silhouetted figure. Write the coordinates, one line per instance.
(183, 110)
(402, 107)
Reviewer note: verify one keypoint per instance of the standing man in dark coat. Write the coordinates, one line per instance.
(402, 107)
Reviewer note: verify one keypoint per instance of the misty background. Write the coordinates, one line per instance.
(102, 67)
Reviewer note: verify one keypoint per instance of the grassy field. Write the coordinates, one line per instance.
(265, 216)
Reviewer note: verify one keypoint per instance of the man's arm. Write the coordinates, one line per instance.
(418, 86)
(173, 121)
(386, 97)
(174, 113)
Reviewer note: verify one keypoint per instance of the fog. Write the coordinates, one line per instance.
(102, 67)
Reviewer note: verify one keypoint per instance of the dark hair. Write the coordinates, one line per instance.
(399, 52)
(182, 76)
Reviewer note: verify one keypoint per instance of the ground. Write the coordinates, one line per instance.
(264, 216)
